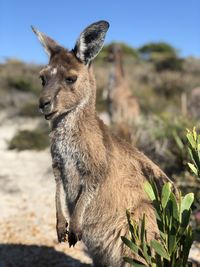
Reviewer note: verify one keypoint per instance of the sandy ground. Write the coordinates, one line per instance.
(27, 212)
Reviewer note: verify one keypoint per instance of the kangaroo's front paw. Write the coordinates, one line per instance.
(74, 235)
(61, 228)
(72, 239)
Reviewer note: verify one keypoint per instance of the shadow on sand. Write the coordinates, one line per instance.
(17, 255)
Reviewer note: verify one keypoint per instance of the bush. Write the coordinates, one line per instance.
(29, 109)
(166, 62)
(126, 50)
(163, 139)
(170, 83)
(163, 55)
(194, 150)
(173, 216)
(161, 47)
(22, 83)
(36, 139)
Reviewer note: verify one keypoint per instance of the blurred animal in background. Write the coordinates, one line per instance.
(194, 103)
(123, 107)
(101, 174)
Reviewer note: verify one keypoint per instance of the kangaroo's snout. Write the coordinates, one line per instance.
(45, 105)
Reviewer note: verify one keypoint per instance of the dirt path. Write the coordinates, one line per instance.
(27, 213)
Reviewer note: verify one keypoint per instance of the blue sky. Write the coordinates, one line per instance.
(132, 21)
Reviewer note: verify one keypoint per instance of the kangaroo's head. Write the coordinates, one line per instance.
(67, 81)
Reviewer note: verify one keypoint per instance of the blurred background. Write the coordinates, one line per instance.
(148, 91)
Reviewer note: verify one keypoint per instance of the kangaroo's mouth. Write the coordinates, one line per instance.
(57, 114)
(50, 115)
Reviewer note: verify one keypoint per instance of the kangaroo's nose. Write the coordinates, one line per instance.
(45, 105)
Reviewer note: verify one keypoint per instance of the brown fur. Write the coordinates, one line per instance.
(101, 174)
(123, 107)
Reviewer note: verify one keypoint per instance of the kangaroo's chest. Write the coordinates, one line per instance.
(68, 157)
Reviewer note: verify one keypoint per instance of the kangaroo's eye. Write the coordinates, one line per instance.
(43, 80)
(70, 79)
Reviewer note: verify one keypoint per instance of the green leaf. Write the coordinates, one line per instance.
(142, 232)
(185, 220)
(187, 244)
(191, 139)
(187, 202)
(158, 261)
(194, 156)
(172, 243)
(198, 151)
(133, 262)
(178, 263)
(146, 253)
(194, 150)
(131, 229)
(194, 133)
(174, 206)
(130, 244)
(178, 140)
(159, 249)
(193, 168)
(163, 235)
(155, 190)
(166, 190)
(149, 190)
(135, 231)
(192, 153)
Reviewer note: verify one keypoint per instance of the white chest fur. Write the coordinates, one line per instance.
(66, 155)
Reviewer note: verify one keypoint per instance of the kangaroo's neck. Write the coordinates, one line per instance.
(119, 70)
(75, 122)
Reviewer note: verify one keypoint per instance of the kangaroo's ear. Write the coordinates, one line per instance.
(91, 41)
(49, 44)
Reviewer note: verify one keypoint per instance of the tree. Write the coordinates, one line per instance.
(163, 55)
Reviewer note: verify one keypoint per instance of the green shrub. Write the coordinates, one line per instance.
(36, 139)
(163, 139)
(170, 84)
(173, 216)
(29, 109)
(159, 47)
(126, 50)
(194, 151)
(166, 62)
(163, 55)
(23, 84)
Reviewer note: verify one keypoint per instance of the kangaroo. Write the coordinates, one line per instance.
(101, 174)
(123, 107)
